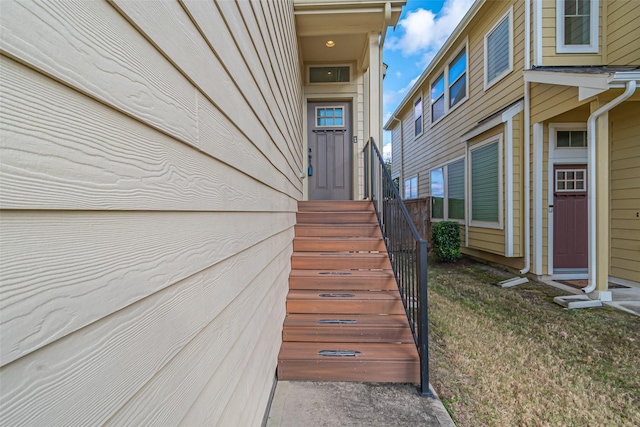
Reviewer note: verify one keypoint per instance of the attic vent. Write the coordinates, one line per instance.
(329, 74)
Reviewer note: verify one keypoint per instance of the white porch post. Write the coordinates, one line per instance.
(375, 89)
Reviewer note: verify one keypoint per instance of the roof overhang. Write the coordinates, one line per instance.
(590, 81)
(347, 23)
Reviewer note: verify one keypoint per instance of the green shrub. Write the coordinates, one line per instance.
(445, 239)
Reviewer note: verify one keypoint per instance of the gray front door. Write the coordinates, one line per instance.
(330, 147)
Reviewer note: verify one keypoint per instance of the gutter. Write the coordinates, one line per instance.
(401, 183)
(591, 171)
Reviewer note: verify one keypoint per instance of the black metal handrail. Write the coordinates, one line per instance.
(407, 251)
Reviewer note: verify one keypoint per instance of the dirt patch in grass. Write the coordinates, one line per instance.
(507, 357)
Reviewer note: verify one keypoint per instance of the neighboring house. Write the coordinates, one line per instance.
(152, 156)
(497, 134)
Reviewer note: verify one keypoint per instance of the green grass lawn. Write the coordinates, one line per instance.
(512, 357)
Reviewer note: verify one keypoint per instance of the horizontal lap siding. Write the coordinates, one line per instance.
(625, 191)
(150, 174)
(623, 36)
(550, 57)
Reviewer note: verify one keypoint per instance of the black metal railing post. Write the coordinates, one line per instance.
(407, 252)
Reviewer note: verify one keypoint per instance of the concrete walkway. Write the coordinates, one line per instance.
(350, 404)
(625, 299)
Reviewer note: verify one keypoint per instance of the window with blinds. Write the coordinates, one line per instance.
(498, 50)
(485, 183)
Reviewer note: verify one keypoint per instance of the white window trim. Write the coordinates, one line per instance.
(419, 96)
(564, 156)
(404, 196)
(487, 84)
(310, 66)
(590, 48)
(445, 179)
(344, 112)
(485, 224)
(445, 72)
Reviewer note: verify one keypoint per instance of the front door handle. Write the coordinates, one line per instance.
(310, 168)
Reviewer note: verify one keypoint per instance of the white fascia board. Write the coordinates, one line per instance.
(594, 81)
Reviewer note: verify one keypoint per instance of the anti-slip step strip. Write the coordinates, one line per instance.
(339, 353)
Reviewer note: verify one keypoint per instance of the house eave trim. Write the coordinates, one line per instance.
(501, 118)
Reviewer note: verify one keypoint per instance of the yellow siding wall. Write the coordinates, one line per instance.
(150, 160)
(623, 34)
(549, 55)
(625, 191)
(440, 142)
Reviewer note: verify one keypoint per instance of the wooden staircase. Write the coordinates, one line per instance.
(345, 319)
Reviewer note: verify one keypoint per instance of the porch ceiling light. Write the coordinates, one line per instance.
(330, 43)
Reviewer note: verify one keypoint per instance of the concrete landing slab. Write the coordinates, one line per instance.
(350, 404)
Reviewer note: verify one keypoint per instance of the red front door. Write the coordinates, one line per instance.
(570, 226)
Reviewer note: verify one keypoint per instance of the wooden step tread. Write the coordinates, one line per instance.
(344, 302)
(374, 362)
(368, 351)
(363, 280)
(332, 205)
(338, 244)
(354, 230)
(330, 295)
(346, 328)
(350, 217)
(339, 261)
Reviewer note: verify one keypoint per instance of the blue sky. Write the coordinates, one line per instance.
(423, 28)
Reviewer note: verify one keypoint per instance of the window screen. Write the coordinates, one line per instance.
(498, 50)
(485, 183)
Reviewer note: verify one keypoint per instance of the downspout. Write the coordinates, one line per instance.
(591, 172)
(527, 141)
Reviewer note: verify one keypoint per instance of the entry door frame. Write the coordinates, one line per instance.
(561, 156)
(355, 132)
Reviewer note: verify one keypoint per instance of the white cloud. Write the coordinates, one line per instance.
(398, 74)
(386, 117)
(386, 152)
(424, 32)
(408, 86)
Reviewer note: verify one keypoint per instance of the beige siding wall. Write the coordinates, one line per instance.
(623, 32)
(625, 191)
(549, 55)
(150, 173)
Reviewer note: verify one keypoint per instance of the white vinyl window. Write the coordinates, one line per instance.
(498, 50)
(571, 138)
(577, 26)
(485, 184)
(411, 188)
(450, 88)
(417, 116)
(447, 192)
